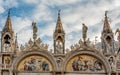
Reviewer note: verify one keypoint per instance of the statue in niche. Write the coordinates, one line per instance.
(107, 46)
(5, 47)
(84, 31)
(59, 47)
(118, 38)
(98, 65)
(111, 61)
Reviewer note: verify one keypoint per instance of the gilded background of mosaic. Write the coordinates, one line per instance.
(35, 63)
(84, 63)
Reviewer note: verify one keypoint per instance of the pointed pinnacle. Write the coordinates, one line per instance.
(9, 11)
(59, 12)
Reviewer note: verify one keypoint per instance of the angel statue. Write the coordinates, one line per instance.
(118, 31)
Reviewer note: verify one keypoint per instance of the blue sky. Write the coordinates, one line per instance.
(73, 14)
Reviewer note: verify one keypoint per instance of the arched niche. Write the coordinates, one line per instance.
(79, 59)
(35, 60)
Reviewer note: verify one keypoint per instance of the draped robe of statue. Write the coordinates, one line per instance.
(84, 32)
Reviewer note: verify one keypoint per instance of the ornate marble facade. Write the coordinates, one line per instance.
(83, 58)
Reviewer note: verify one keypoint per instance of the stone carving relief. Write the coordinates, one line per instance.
(81, 44)
(38, 43)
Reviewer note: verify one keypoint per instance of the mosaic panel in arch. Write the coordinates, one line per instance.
(35, 63)
(84, 63)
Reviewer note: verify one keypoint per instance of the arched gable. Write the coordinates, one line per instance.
(35, 58)
(89, 57)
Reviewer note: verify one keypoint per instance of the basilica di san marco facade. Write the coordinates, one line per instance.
(82, 58)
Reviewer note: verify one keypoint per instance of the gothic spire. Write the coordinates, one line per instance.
(106, 27)
(8, 25)
(59, 27)
(59, 37)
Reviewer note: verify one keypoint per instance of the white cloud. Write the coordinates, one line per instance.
(10, 3)
(6, 4)
(1, 7)
(20, 23)
(24, 36)
(23, 28)
(31, 1)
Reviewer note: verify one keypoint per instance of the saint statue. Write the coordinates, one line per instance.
(84, 31)
(34, 27)
(34, 31)
(118, 31)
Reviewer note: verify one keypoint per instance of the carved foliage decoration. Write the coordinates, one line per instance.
(35, 63)
(84, 63)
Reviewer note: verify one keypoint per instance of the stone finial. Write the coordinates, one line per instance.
(106, 13)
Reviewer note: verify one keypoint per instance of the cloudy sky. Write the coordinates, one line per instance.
(73, 14)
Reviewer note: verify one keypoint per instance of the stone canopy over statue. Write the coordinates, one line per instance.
(84, 32)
